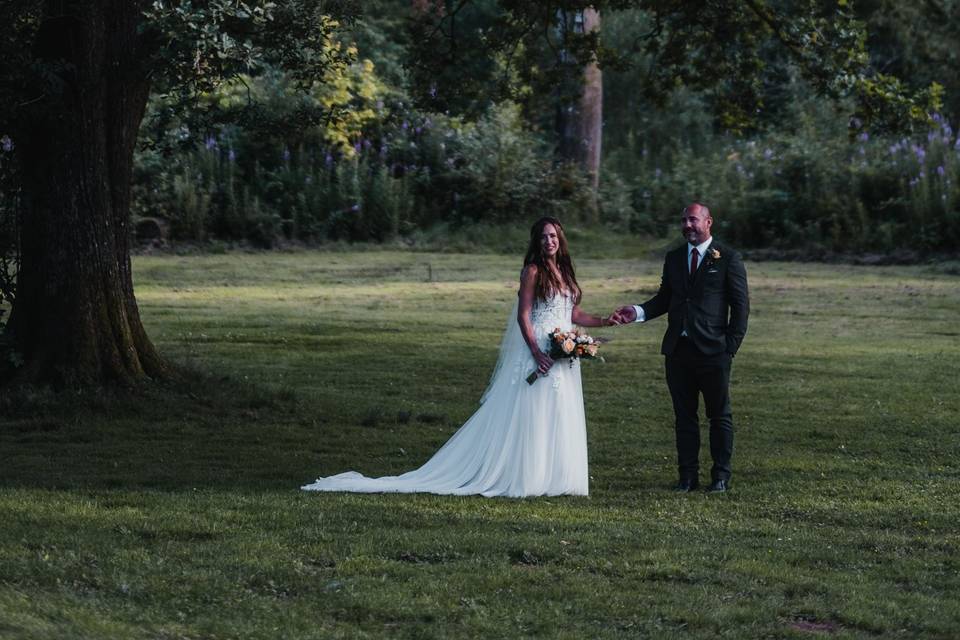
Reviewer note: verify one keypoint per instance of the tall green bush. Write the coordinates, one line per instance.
(815, 188)
(406, 170)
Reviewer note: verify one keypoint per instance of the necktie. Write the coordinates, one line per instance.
(693, 270)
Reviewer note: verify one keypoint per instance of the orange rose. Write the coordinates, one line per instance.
(568, 346)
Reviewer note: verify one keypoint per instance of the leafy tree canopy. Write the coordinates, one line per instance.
(187, 49)
(916, 40)
(469, 52)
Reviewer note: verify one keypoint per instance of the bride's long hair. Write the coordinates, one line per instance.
(547, 283)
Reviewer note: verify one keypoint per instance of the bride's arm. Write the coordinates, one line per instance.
(587, 320)
(528, 287)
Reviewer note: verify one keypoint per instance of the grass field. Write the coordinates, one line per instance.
(176, 513)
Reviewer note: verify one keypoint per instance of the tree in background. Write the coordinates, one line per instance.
(514, 49)
(916, 40)
(579, 107)
(74, 88)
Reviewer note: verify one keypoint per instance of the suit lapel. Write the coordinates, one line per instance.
(683, 268)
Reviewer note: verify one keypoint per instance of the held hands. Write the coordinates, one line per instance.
(623, 315)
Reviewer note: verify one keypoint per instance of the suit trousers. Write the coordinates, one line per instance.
(690, 374)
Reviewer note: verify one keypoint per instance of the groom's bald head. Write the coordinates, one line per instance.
(696, 207)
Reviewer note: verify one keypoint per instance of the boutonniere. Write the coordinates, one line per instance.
(714, 254)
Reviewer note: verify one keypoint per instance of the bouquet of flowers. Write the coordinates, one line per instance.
(571, 345)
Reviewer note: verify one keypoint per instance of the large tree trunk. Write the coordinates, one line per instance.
(75, 319)
(580, 113)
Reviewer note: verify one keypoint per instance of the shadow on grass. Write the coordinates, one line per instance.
(198, 431)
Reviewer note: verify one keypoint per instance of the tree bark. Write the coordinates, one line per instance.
(591, 107)
(75, 319)
(580, 120)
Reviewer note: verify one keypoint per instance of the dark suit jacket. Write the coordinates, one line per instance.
(713, 305)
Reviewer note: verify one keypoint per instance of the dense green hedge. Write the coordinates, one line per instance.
(818, 190)
(405, 173)
(813, 189)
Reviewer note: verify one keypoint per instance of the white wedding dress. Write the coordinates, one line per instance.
(523, 440)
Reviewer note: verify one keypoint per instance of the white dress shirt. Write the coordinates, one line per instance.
(701, 249)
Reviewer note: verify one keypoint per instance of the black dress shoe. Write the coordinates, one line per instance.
(718, 486)
(686, 485)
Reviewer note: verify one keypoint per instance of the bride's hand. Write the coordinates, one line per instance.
(544, 362)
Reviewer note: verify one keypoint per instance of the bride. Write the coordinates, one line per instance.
(524, 440)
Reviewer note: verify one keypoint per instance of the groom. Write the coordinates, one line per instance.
(703, 291)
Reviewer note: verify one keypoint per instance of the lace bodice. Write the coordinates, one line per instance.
(516, 361)
(552, 313)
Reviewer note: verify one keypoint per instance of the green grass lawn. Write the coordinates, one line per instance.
(177, 514)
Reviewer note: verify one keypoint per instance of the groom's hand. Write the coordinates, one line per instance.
(624, 315)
